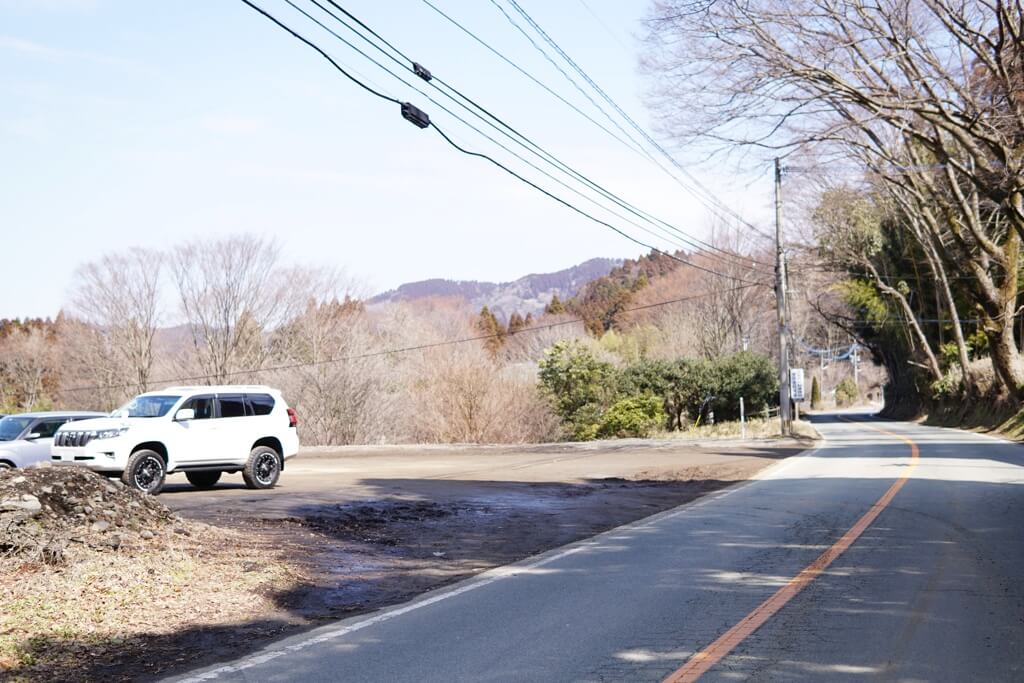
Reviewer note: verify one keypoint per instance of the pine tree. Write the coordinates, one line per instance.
(555, 306)
(515, 323)
(815, 393)
(488, 324)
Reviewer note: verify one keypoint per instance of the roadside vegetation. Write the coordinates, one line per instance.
(597, 399)
(611, 362)
(900, 126)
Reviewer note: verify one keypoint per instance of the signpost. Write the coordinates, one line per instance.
(796, 384)
(796, 388)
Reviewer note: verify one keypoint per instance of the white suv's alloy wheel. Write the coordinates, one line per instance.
(148, 472)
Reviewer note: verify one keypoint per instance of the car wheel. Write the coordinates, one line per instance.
(262, 469)
(6, 466)
(145, 472)
(203, 480)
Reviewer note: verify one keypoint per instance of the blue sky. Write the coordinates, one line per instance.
(150, 123)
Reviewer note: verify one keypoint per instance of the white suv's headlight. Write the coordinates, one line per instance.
(109, 433)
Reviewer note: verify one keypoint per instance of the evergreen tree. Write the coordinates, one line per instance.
(515, 323)
(815, 393)
(488, 324)
(555, 306)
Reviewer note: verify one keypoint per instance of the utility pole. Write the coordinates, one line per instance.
(855, 359)
(743, 420)
(785, 414)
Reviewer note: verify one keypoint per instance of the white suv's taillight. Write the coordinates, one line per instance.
(293, 419)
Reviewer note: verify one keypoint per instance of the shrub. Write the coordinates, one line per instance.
(579, 385)
(949, 354)
(747, 375)
(815, 393)
(685, 385)
(847, 393)
(949, 386)
(637, 417)
(978, 343)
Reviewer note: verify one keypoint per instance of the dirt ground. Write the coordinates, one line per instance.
(368, 527)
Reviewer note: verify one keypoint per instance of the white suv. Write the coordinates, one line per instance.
(202, 431)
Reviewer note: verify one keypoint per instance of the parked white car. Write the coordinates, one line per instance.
(202, 431)
(25, 439)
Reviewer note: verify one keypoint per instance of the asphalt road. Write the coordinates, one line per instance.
(930, 590)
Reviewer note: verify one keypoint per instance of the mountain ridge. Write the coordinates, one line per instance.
(527, 294)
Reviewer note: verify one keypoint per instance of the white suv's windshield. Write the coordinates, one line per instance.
(147, 406)
(11, 426)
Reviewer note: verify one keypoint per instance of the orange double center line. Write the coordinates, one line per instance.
(713, 653)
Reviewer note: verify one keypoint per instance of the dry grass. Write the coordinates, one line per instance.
(108, 606)
(757, 428)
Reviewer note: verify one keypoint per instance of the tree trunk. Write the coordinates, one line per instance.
(958, 334)
(915, 326)
(1006, 358)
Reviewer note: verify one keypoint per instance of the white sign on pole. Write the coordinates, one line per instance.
(796, 384)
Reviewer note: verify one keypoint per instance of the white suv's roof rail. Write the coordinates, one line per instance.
(219, 388)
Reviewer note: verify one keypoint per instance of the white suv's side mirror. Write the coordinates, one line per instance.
(185, 414)
(33, 436)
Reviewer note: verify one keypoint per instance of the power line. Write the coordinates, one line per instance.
(671, 238)
(323, 54)
(704, 201)
(569, 78)
(404, 349)
(422, 120)
(524, 72)
(506, 129)
(584, 213)
(907, 277)
(604, 25)
(709, 195)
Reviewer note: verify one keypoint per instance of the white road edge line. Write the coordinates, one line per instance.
(489, 577)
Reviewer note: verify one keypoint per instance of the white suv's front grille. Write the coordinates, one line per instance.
(74, 439)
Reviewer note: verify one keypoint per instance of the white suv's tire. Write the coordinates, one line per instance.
(145, 472)
(262, 468)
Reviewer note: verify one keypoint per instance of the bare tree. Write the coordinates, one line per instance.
(92, 375)
(28, 368)
(924, 93)
(851, 228)
(463, 395)
(336, 374)
(232, 292)
(119, 297)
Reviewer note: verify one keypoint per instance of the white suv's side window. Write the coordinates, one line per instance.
(197, 439)
(231, 405)
(202, 405)
(236, 429)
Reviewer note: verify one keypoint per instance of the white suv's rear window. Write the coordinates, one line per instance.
(262, 404)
